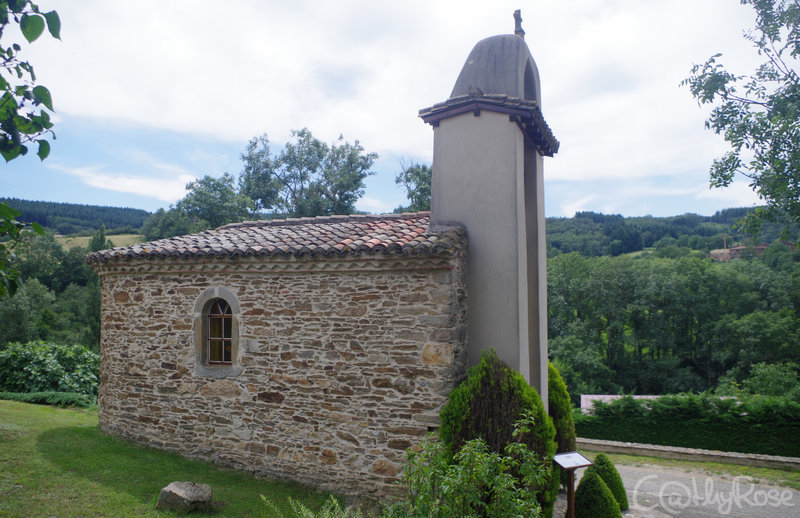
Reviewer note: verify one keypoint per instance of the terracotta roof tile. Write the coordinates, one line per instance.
(397, 234)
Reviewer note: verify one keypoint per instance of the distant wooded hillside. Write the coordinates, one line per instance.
(75, 218)
(593, 234)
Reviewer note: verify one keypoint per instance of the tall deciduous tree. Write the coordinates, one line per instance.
(416, 180)
(307, 177)
(215, 200)
(759, 113)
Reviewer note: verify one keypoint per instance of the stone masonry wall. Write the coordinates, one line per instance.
(344, 363)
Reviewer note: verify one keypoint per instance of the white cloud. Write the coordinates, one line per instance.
(610, 79)
(738, 194)
(374, 205)
(169, 189)
(568, 208)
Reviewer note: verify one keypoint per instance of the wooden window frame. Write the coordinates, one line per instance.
(219, 333)
(206, 362)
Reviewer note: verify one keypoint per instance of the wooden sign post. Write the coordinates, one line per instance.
(569, 462)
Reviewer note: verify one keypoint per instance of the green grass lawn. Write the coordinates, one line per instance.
(56, 462)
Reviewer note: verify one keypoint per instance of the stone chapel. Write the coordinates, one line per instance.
(319, 349)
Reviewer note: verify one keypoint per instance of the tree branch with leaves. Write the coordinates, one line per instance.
(24, 105)
(416, 180)
(759, 114)
(24, 116)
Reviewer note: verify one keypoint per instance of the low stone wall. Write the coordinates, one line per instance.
(342, 364)
(694, 454)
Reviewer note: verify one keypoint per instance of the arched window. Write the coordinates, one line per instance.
(217, 325)
(220, 332)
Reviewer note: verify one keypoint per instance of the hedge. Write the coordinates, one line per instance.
(766, 425)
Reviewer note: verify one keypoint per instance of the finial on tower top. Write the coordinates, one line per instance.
(518, 24)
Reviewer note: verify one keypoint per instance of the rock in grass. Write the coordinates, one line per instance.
(185, 497)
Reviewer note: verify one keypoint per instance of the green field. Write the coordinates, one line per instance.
(56, 462)
(68, 242)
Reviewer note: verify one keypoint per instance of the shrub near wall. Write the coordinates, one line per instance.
(766, 425)
(560, 410)
(48, 367)
(487, 404)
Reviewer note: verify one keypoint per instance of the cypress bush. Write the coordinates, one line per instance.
(560, 409)
(487, 404)
(605, 468)
(593, 499)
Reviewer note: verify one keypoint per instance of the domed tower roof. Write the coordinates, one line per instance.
(501, 76)
(499, 65)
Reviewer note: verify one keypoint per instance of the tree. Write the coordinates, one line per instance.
(11, 231)
(19, 314)
(416, 180)
(20, 122)
(99, 241)
(39, 258)
(216, 201)
(759, 114)
(167, 223)
(210, 203)
(777, 379)
(307, 178)
(24, 104)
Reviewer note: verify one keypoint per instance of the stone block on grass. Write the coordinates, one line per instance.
(185, 497)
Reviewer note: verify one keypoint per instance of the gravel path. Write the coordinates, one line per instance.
(661, 492)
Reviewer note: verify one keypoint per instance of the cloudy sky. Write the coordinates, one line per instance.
(152, 94)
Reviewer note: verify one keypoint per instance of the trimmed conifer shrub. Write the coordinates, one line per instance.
(608, 472)
(593, 499)
(487, 404)
(560, 409)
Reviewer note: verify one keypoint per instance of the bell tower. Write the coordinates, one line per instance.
(489, 140)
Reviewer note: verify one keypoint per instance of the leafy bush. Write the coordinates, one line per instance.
(605, 468)
(478, 482)
(487, 404)
(42, 366)
(762, 379)
(593, 499)
(761, 424)
(62, 399)
(773, 380)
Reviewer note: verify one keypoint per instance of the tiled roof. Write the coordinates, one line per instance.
(397, 234)
(528, 112)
